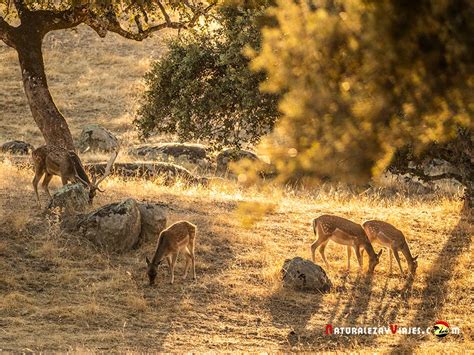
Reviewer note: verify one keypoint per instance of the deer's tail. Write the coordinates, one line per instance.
(315, 223)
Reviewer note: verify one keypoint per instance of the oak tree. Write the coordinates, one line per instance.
(24, 23)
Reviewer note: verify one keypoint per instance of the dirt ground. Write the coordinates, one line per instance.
(60, 292)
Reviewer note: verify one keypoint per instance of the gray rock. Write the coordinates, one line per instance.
(225, 157)
(153, 220)
(192, 153)
(302, 274)
(70, 199)
(97, 138)
(168, 172)
(115, 227)
(17, 147)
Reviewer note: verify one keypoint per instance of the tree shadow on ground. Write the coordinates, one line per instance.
(436, 290)
(293, 310)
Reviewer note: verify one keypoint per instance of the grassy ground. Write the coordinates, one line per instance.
(59, 292)
(92, 80)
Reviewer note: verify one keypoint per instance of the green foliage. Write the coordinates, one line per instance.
(127, 12)
(360, 79)
(204, 89)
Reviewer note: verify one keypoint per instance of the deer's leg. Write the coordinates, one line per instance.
(168, 260)
(174, 257)
(397, 257)
(193, 256)
(359, 256)
(348, 258)
(64, 180)
(315, 246)
(188, 260)
(321, 251)
(38, 175)
(319, 240)
(46, 181)
(390, 251)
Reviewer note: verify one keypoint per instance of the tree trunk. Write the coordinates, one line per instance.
(50, 121)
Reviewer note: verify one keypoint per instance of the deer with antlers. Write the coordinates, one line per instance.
(345, 232)
(50, 160)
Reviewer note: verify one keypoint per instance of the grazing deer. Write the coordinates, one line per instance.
(50, 160)
(180, 236)
(388, 236)
(345, 232)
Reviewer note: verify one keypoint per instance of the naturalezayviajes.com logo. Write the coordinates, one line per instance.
(439, 329)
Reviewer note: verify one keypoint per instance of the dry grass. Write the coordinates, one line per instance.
(92, 80)
(60, 293)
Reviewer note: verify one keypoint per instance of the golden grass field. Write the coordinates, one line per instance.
(60, 293)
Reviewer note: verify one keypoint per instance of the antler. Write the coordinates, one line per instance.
(107, 170)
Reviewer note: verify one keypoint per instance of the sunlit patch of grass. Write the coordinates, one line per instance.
(249, 213)
(238, 268)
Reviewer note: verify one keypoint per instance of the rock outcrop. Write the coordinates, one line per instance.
(96, 138)
(304, 275)
(16, 147)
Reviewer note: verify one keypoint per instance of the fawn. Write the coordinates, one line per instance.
(345, 232)
(180, 236)
(388, 236)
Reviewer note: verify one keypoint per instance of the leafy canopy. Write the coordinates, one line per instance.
(203, 88)
(360, 79)
(133, 19)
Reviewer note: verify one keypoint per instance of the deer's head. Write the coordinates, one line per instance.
(151, 271)
(413, 265)
(373, 262)
(94, 185)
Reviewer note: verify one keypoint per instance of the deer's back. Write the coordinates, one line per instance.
(374, 227)
(329, 223)
(178, 234)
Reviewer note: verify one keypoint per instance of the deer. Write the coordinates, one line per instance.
(180, 236)
(50, 160)
(387, 235)
(345, 232)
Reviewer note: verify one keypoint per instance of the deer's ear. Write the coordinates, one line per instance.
(147, 261)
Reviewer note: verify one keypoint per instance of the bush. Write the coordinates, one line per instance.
(202, 89)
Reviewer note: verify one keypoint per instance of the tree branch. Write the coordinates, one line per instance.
(102, 24)
(59, 20)
(163, 11)
(6, 33)
(21, 8)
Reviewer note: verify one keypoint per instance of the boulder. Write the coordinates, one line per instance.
(153, 220)
(70, 199)
(115, 227)
(233, 155)
(169, 172)
(183, 153)
(16, 147)
(228, 156)
(97, 138)
(304, 275)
